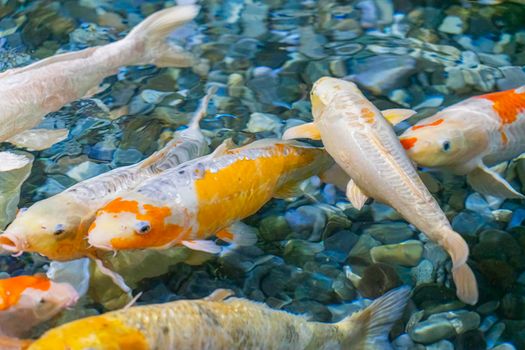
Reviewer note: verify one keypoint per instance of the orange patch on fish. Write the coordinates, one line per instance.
(241, 188)
(118, 205)
(368, 115)
(408, 143)
(436, 123)
(225, 235)
(11, 289)
(507, 104)
(161, 233)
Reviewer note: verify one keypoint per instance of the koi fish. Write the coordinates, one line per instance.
(364, 144)
(28, 93)
(26, 301)
(216, 323)
(57, 226)
(466, 137)
(206, 196)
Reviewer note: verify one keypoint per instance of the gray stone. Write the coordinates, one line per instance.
(390, 232)
(444, 325)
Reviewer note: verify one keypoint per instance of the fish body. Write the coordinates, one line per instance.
(199, 198)
(226, 324)
(27, 94)
(26, 301)
(57, 226)
(468, 136)
(364, 145)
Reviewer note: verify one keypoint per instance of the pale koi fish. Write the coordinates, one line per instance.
(26, 301)
(234, 323)
(206, 196)
(467, 137)
(27, 94)
(364, 144)
(57, 226)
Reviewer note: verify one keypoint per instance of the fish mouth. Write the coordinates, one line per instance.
(9, 244)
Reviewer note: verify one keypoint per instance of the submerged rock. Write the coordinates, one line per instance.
(407, 253)
(444, 325)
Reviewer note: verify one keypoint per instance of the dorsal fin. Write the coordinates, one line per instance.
(223, 148)
(220, 295)
(69, 56)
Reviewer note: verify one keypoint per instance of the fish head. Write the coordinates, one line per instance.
(33, 299)
(325, 90)
(134, 221)
(445, 140)
(55, 227)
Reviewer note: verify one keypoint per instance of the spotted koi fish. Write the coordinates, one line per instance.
(466, 137)
(216, 323)
(28, 93)
(57, 226)
(364, 144)
(207, 196)
(26, 301)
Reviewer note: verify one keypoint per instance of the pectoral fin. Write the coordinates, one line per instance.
(304, 131)
(203, 246)
(289, 190)
(115, 277)
(397, 115)
(239, 234)
(486, 181)
(355, 195)
(38, 139)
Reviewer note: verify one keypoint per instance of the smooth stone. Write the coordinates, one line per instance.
(441, 345)
(383, 212)
(488, 307)
(498, 273)
(341, 241)
(432, 294)
(435, 253)
(377, 280)
(360, 253)
(517, 219)
(504, 346)
(298, 252)
(308, 220)
(260, 122)
(423, 273)
(473, 339)
(86, 170)
(444, 325)
(316, 287)
(274, 228)
(468, 223)
(406, 254)
(487, 323)
(452, 25)
(502, 215)
(478, 204)
(390, 232)
(403, 342)
(513, 306)
(343, 288)
(494, 334)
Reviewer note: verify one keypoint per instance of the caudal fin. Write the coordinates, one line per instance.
(466, 285)
(150, 36)
(368, 329)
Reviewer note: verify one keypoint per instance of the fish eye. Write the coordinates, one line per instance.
(142, 227)
(446, 146)
(59, 229)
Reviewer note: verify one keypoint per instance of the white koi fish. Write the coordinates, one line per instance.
(206, 196)
(364, 144)
(470, 135)
(27, 94)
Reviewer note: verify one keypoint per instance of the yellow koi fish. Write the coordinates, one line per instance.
(26, 301)
(209, 195)
(235, 323)
(466, 137)
(364, 144)
(27, 94)
(57, 226)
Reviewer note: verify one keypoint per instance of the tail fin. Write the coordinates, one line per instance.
(150, 35)
(466, 285)
(201, 112)
(375, 321)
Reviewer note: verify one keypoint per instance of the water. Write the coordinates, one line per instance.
(264, 57)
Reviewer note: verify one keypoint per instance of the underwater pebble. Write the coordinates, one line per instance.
(407, 253)
(452, 25)
(444, 325)
(265, 122)
(377, 280)
(388, 233)
(87, 169)
(441, 345)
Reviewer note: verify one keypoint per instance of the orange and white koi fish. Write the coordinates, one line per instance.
(209, 195)
(57, 226)
(26, 301)
(27, 94)
(234, 323)
(466, 137)
(364, 144)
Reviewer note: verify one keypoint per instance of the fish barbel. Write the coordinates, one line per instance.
(235, 323)
(364, 144)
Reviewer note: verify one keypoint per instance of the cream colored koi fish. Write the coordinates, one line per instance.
(207, 196)
(466, 137)
(364, 144)
(234, 323)
(57, 226)
(26, 301)
(27, 94)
